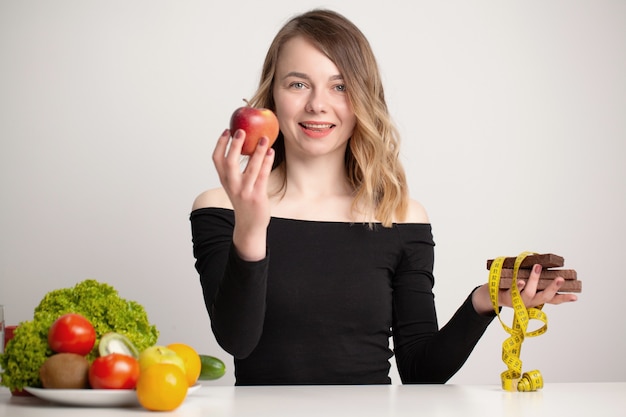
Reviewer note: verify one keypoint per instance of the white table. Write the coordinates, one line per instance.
(554, 400)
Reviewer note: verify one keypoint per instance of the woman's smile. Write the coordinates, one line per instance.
(316, 129)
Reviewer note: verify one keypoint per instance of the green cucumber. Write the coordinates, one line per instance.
(212, 368)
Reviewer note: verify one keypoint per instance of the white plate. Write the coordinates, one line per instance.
(92, 397)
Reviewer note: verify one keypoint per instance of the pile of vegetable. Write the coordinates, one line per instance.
(99, 303)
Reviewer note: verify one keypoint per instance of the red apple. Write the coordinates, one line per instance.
(256, 123)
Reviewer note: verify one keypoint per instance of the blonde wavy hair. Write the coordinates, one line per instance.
(372, 160)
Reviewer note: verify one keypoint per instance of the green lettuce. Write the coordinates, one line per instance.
(98, 302)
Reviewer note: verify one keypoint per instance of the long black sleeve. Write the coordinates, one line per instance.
(425, 353)
(234, 290)
(436, 357)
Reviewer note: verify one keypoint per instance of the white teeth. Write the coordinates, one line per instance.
(316, 126)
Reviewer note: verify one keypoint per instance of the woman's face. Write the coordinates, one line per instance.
(312, 105)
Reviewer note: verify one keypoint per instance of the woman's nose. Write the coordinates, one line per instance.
(316, 102)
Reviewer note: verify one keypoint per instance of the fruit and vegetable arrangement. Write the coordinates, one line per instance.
(88, 337)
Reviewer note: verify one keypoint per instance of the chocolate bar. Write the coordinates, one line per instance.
(545, 273)
(569, 285)
(546, 260)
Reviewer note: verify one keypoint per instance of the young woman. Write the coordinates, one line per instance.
(314, 255)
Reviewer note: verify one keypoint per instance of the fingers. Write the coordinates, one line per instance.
(227, 155)
(562, 298)
(550, 291)
(252, 180)
(234, 152)
(220, 149)
(266, 165)
(530, 289)
(257, 159)
(550, 295)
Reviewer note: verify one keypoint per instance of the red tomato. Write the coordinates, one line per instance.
(114, 371)
(72, 333)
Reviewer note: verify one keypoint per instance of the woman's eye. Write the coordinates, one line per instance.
(340, 88)
(297, 85)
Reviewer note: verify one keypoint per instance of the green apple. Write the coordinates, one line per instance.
(160, 354)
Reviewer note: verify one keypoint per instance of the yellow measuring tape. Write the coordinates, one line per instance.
(512, 378)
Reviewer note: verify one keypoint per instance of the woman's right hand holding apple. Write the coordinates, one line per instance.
(247, 190)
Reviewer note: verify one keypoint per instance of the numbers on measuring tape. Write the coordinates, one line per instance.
(513, 379)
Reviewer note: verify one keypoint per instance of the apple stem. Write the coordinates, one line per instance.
(247, 102)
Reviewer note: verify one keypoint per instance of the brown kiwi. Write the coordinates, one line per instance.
(65, 370)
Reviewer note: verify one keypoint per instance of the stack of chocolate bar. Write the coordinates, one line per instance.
(548, 262)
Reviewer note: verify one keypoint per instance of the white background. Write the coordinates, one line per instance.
(513, 123)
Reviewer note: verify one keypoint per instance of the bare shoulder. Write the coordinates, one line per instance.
(215, 197)
(416, 213)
